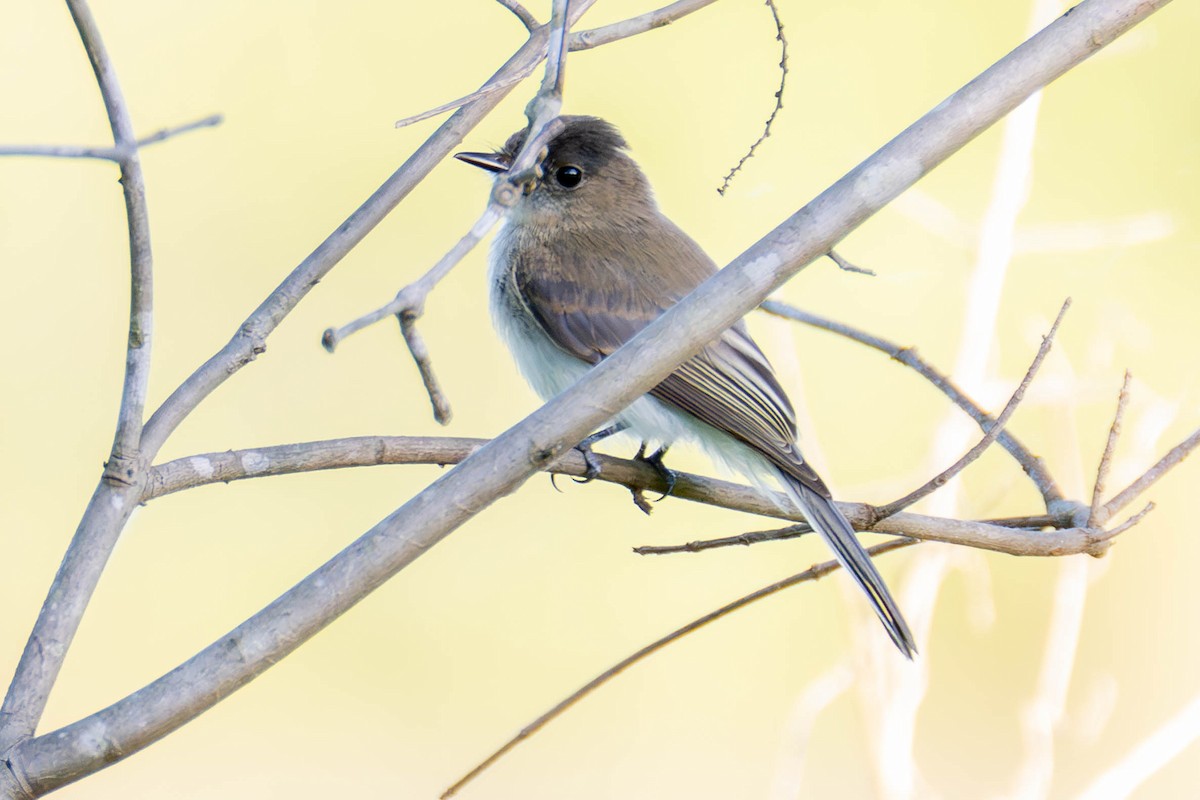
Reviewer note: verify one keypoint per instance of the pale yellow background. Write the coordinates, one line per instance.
(541, 592)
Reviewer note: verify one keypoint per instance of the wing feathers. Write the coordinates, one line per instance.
(590, 307)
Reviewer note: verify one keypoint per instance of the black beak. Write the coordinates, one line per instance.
(492, 162)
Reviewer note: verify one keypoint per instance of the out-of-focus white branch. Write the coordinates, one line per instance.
(906, 685)
(817, 696)
(1151, 754)
(1044, 712)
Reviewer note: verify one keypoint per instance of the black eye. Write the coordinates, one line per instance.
(568, 177)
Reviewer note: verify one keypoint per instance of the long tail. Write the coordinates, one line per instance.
(839, 535)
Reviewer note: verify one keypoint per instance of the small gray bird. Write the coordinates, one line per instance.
(583, 262)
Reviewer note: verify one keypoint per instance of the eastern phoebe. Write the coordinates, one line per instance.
(583, 262)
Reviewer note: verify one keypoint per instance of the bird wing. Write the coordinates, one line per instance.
(591, 306)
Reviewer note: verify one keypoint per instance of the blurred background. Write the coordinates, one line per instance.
(1036, 676)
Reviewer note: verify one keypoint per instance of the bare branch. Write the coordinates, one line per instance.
(1094, 515)
(846, 266)
(141, 319)
(1164, 465)
(1016, 536)
(111, 504)
(483, 91)
(118, 153)
(1113, 533)
(1030, 524)
(409, 304)
(1033, 465)
(411, 299)
(583, 40)
(416, 347)
(741, 539)
(1121, 777)
(250, 339)
(522, 13)
(586, 40)
(783, 73)
(815, 572)
(60, 757)
(993, 431)
(548, 101)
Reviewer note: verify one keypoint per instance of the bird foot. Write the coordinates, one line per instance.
(589, 457)
(655, 460)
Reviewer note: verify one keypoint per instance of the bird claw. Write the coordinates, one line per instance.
(593, 464)
(590, 458)
(655, 460)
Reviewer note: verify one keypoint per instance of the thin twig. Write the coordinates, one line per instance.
(250, 338)
(993, 431)
(166, 133)
(783, 73)
(1033, 465)
(847, 266)
(1031, 524)
(411, 299)
(483, 91)
(118, 153)
(1106, 457)
(581, 40)
(522, 13)
(1113, 533)
(416, 346)
(815, 572)
(1114, 433)
(741, 539)
(595, 37)
(409, 304)
(1164, 465)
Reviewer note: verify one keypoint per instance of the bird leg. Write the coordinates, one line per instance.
(589, 458)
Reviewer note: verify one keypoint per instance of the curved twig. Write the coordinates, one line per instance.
(522, 13)
(111, 505)
(766, 133)
(993, 430)
(813, 573)
(1033, 465)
